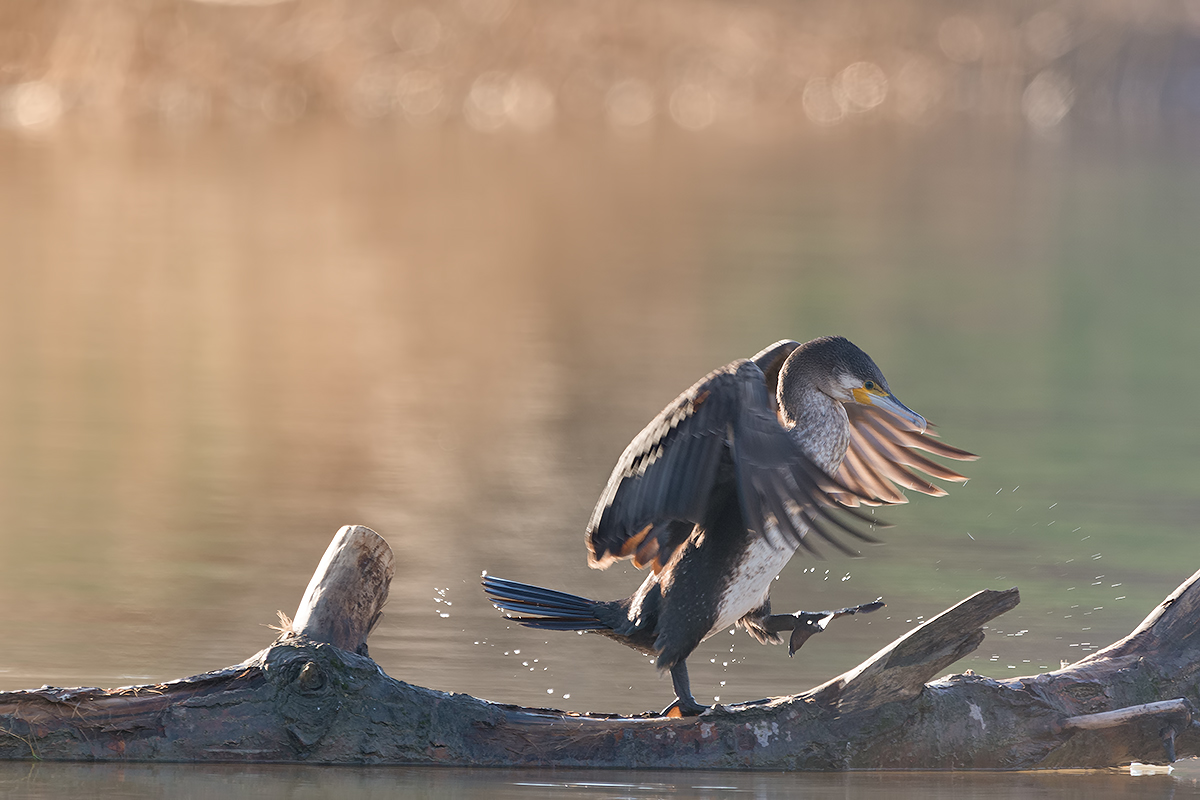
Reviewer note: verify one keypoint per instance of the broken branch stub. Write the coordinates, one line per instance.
(346, 595)
(900, 670)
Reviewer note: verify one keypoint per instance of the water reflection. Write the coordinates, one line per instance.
(35, 781)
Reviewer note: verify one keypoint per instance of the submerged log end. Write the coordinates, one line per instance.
(346, 595)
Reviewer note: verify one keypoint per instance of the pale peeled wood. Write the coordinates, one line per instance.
(1110, 719)
(346, 595)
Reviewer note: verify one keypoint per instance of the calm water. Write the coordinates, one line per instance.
(216, 349)
(38, 781)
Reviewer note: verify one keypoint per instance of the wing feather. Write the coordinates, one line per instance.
(856, 470)
(879, 439)
(881, 457)
(660, 486)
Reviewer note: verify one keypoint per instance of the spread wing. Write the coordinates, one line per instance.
(883, 454)
(719, 439)
(660, 487)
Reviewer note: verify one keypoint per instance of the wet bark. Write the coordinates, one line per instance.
(309, 697)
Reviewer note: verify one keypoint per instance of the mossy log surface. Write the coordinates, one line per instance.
(305, 699)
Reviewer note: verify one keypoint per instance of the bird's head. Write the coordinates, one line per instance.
(839, 369)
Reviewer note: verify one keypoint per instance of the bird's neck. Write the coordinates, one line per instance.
(820, 425)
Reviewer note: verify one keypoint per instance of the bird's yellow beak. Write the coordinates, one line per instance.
(888, 402)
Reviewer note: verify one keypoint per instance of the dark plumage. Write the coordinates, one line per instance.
(725, 484)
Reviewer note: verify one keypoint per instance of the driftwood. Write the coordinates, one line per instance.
(310, 697)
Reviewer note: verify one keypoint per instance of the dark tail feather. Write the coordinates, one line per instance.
(550, 610)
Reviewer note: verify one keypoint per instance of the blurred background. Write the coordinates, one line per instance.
(268, 268)
(762, 69)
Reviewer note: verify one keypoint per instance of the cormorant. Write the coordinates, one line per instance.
(723, 486)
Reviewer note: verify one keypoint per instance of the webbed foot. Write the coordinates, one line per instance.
(684, 708)
(803, 624)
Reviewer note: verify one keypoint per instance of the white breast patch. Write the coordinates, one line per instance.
(750, 583)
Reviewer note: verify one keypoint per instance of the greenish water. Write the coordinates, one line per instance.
(34, 782)
(216, 349)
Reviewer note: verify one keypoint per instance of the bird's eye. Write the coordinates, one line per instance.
(869, 385)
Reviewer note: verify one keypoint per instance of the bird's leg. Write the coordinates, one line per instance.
(804, 624)
(685, 705)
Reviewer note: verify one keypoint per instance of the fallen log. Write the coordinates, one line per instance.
(315, 696)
